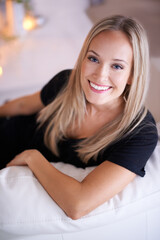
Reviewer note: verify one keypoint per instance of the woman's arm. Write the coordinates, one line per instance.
(76, 198)
(22, 106)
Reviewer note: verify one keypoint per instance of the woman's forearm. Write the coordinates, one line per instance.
(9, 109)
(76, 198)
(24, 105)
(64, 190)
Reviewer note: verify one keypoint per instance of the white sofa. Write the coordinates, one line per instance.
(28, 212)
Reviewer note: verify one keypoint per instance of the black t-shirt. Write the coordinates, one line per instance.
(131, 152)
(19, 133)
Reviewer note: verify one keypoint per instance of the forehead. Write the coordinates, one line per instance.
(112, 35)
(111, 42)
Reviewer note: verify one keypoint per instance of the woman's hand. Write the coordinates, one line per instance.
(23, 158)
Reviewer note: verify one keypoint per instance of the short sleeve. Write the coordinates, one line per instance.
(52, 88)
(133, 151)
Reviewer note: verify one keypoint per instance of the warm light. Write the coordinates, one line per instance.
(1, 71)
(29, 23)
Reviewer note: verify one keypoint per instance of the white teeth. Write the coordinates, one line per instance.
(100, 88)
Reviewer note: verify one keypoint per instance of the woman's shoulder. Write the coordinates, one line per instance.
(134, 149)
(59, 79)
(148, 124)
(52, 87)
(145, 131)
(64, 73)
(149, 117)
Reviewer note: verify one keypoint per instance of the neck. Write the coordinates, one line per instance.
(115, 107)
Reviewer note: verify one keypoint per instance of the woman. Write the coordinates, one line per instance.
(94, 116)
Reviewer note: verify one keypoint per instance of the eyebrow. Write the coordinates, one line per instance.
(115, 59)
(120, 60)
(93, 52)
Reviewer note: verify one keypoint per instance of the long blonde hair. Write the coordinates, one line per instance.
(70, 104)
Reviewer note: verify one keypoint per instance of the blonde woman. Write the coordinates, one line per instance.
(94, 116)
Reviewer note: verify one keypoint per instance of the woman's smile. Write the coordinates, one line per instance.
(99, 88)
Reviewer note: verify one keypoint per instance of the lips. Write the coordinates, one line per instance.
(100, 88)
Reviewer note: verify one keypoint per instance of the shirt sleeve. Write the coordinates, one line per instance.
(52, 88)
(133, 151)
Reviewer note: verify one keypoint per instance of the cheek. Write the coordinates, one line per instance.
(121, 80)
(125, 76)
(87, 68)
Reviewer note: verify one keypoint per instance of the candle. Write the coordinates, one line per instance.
(29, 23)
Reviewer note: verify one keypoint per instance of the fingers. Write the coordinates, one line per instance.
(21, 158)
(18, 160)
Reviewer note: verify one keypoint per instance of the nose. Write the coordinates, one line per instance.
(101, 73)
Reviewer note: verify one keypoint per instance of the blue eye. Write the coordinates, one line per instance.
(93, 59)
(117, 67)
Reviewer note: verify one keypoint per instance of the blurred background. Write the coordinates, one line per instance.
(38, 38)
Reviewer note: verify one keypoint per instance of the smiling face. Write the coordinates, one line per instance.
(106, 68)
